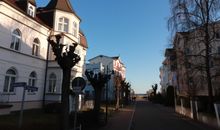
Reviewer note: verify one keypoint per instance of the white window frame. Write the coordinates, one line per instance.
(16, 40)
(78, 52)
(52, 83)
(36, 47)
(31, 10)
(32, 81)
(63, 24)
(11, 78)
(75, 26)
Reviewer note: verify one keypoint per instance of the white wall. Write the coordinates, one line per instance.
(22, 61)
(72, 18)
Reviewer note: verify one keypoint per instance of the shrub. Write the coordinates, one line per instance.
(53, 108)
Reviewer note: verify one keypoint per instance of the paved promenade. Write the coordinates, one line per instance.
(120, 120)
(149, 116)
(144, 115)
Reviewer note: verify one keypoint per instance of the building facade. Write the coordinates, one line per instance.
(108, 65)
(25, 54)
(168, 75)
(191, 65)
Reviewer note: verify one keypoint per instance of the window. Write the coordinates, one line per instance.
(63, 25)
(75, 29)
(187, 51)
(35, 49)
(188, 65)
(218, 34)
(211, 64)
(218, 50)
(15, 42)
(210, 50)
(78, 53)
(32, 80)
(9, 79)
(31, 10)
(52, 83)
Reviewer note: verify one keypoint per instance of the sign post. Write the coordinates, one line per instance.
(25, 87)
(78, 84)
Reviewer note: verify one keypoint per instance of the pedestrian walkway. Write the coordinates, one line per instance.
(157, 117)
(121, 119)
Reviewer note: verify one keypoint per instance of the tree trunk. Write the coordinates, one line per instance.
(208, 73)
(117, 98)
(194, 108)
(126, 96)
(96, 109)
(65, 99)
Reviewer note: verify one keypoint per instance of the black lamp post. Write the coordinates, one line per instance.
(106, 99)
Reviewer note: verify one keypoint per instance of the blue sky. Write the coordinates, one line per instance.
(135, 30)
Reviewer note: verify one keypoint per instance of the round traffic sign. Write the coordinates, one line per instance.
(79, 82)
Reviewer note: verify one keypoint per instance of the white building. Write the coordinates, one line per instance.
(108, 65)
(164, 74)
(24, 50)
(167, 71)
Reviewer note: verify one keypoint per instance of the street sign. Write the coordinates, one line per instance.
(31, 88)
(77, 89)
(19, 84)
(25, 87)
(78, 84)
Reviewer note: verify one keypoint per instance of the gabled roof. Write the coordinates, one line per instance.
(20, 5)
(99, 56)
(83, 41)
(60, 4)
(63, 5)
(26, 1)
(113, 58)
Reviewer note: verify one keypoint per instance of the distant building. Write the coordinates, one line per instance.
(191, 64)
(108, 65)
(168, 75)
(24, 29)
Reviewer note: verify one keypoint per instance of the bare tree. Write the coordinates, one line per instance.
(198, 18)
(98, 82)
(154, 87)
(126, 86)
(66, 60)
(117, 84)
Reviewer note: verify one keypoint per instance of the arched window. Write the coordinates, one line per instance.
(75, 29)
(16, 39)
(9, 79)
(32, 80)
(52, 83)
(63, 25)
(36, 46)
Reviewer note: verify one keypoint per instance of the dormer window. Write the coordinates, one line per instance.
(63, 25)
(31, 10)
